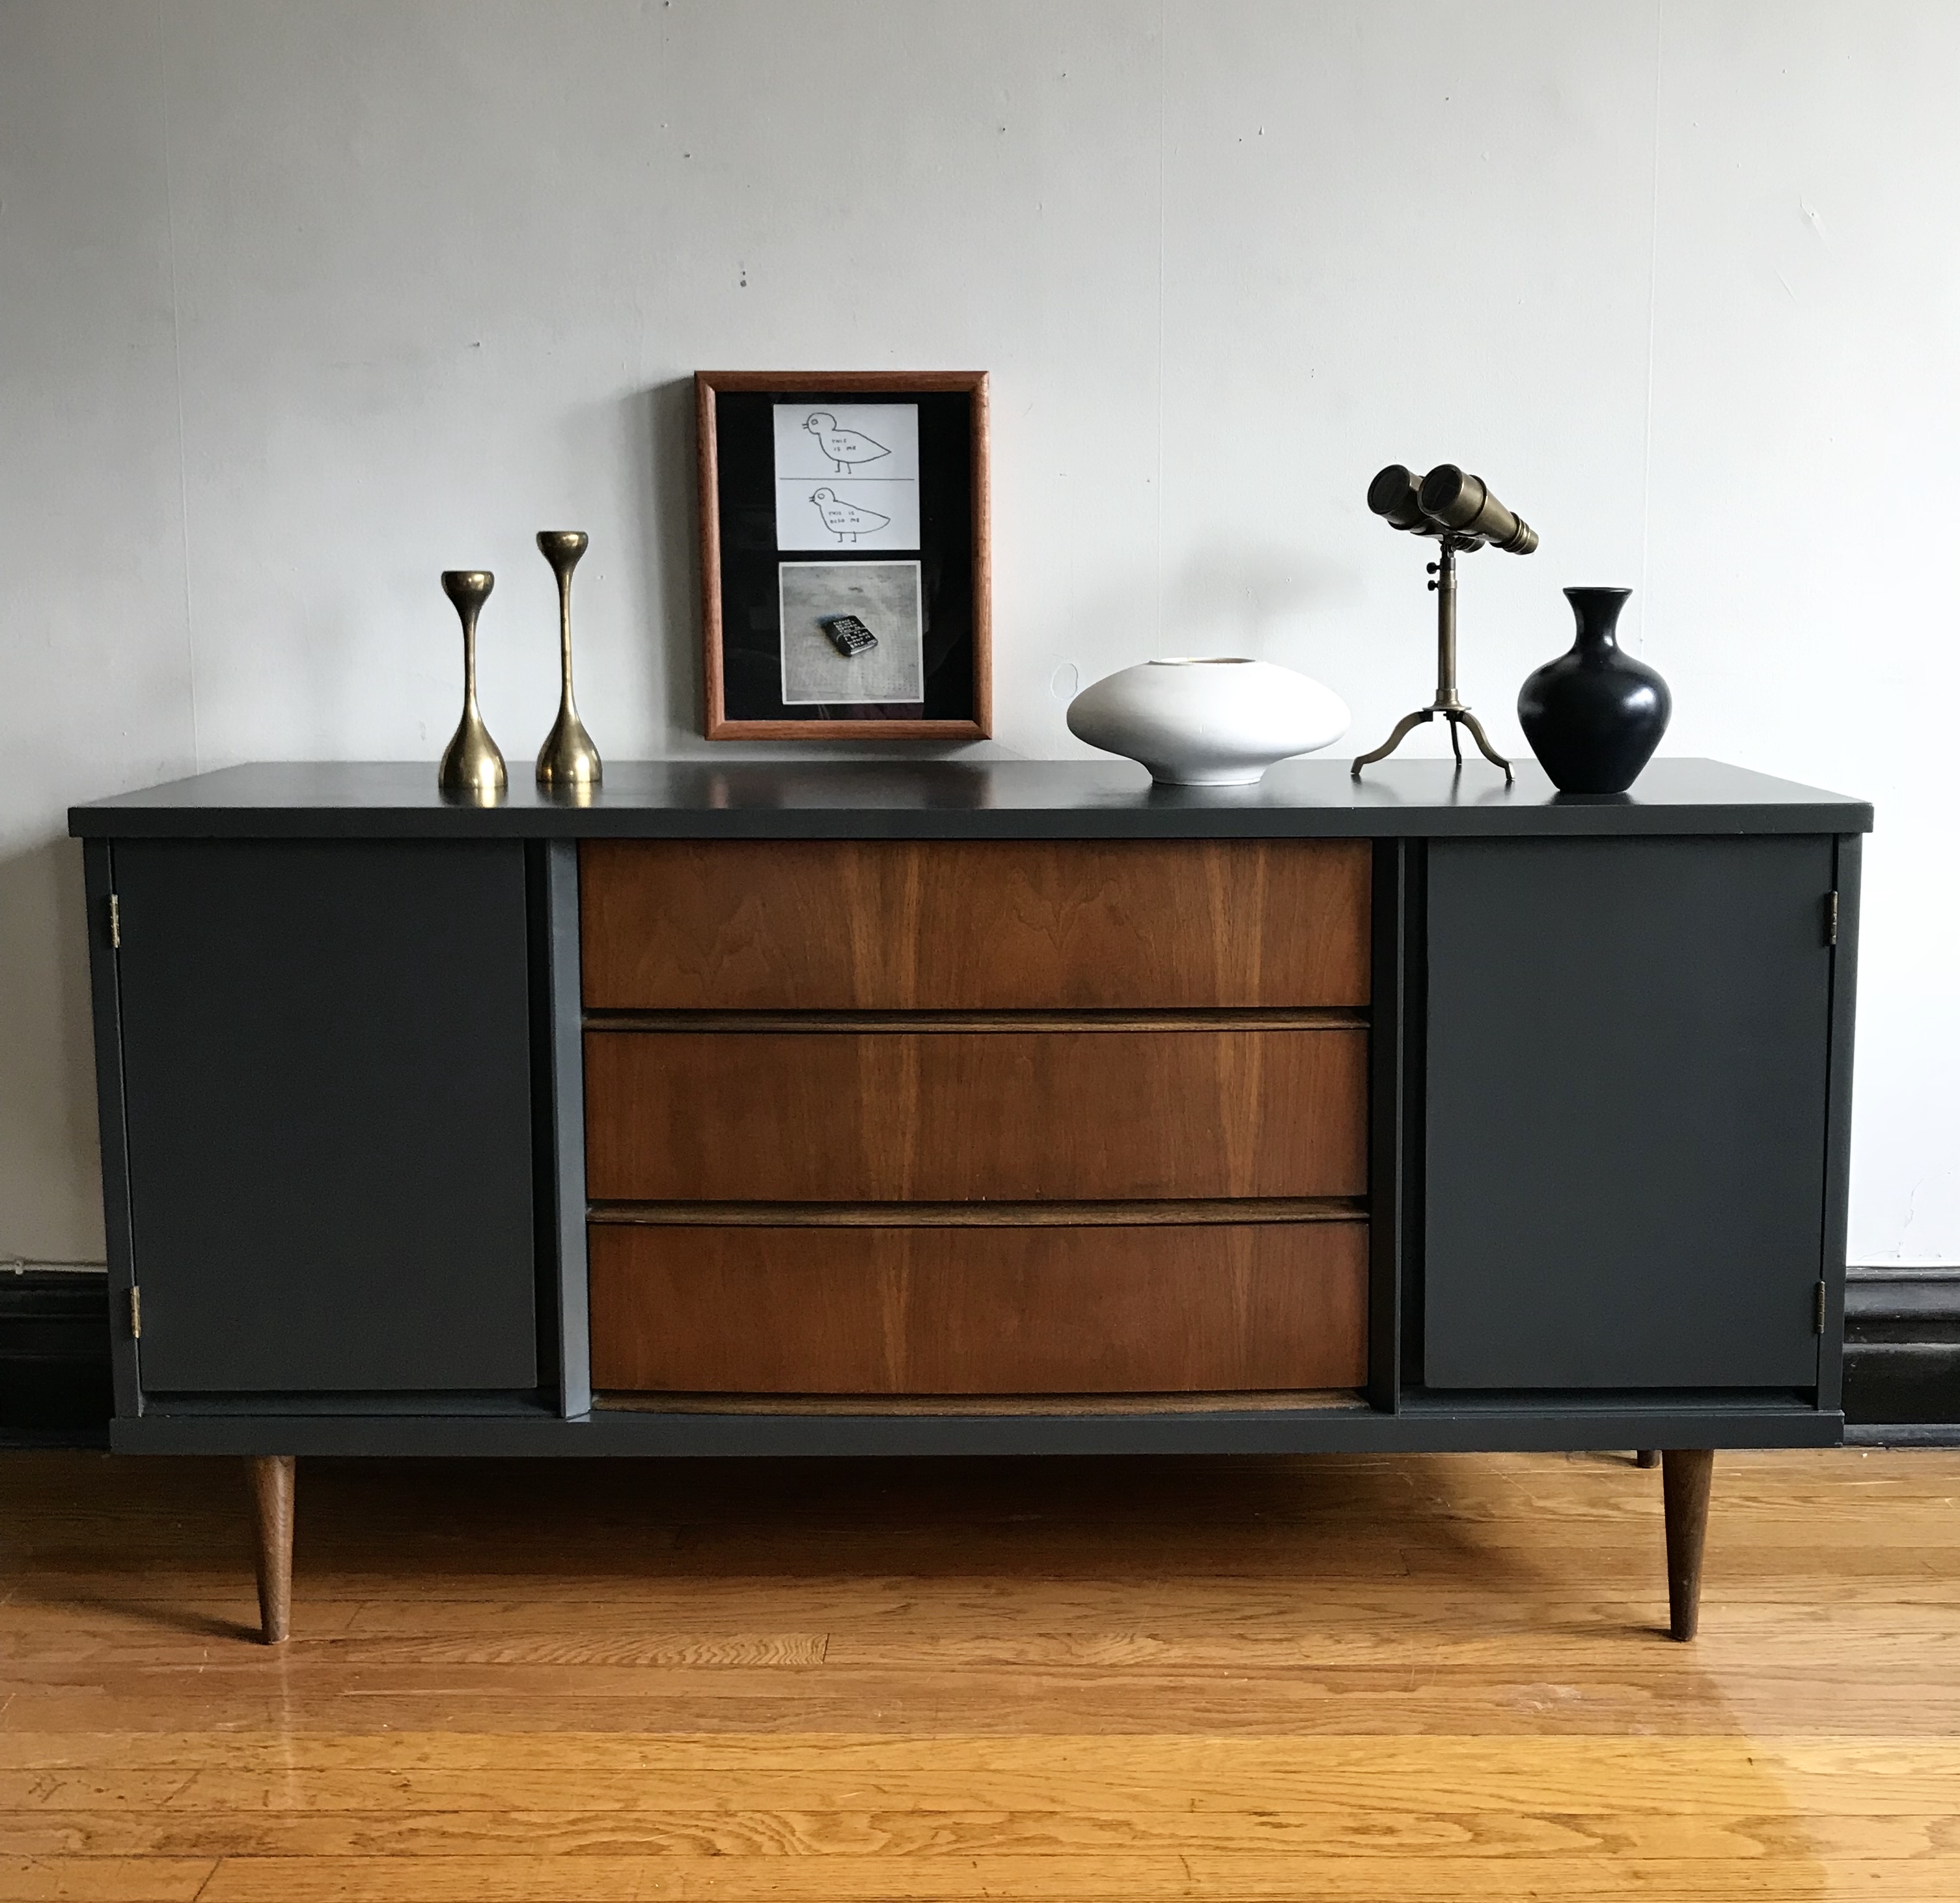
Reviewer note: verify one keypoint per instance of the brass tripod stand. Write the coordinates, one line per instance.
(1459, 513)
(1447, 702)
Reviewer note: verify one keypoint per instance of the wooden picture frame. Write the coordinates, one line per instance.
(762, 665)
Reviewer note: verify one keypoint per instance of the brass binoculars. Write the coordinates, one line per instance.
(1451, 506)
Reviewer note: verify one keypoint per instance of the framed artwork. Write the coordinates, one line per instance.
(844, 565)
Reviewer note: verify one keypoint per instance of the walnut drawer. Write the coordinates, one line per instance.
(993, 1309)
(975, 1114)
(900, 925)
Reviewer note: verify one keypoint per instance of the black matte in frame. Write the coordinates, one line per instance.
(752, 632)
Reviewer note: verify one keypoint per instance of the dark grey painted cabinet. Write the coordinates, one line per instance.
(340, 1053)
(1628, 1050)
(326, 1055)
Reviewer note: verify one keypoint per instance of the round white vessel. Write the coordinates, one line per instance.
(1202, 722)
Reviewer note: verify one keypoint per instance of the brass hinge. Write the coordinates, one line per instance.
(1831, 919)
(135, 1314)
(114, 923)
(1822, 1305)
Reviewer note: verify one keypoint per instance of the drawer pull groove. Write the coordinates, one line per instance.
(778, 1022)
(981, 1215)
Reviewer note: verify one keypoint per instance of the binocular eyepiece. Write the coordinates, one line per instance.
(1448, 504)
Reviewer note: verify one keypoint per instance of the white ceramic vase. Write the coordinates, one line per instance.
(1205, 721)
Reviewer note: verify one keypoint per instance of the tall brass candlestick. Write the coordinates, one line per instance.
(567, 762)
(471, 767)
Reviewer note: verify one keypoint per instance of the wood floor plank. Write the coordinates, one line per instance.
(916, 1831)
(1144, 1877)
(28, 1878)
(1241, 1772)
(588, 1649)
(1094, 1667)
(1007, 1707)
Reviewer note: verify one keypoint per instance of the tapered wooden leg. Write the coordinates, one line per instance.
(271, 1479)
(1684, 1475)
(1647, 1457)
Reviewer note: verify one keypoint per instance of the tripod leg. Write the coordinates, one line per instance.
(1455, 742)
(1484, 746)
(1403, 727)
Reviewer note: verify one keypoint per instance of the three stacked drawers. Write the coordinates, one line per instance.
(1005, 1118)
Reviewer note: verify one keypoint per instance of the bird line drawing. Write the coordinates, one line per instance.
(845, 448)
(845, 520)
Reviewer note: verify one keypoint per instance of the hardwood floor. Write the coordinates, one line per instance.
(1408, 1678)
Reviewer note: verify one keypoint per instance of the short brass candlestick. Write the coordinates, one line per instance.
(471, 767)
(567, 762)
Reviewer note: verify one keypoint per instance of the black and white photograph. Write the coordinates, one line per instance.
(884, 598)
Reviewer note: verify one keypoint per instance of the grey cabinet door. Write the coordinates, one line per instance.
(1627, 1049)
(327, 1089)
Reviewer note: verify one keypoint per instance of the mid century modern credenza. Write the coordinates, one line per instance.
(954, 1108)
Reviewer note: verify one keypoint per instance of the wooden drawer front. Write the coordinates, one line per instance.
(876, 1116)
(893, 925)
(979, 1310)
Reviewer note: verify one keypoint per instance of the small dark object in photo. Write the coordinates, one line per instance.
(849, 635)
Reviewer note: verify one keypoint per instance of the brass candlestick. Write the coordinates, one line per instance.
(471, 767)
(567, 762)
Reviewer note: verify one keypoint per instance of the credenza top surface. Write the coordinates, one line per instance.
(911, 799)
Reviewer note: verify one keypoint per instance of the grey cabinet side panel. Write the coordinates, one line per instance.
(567, 1046)
(1625, 1125)
(1837, 1128)
(1387, 1014)
(327, 1076)
(98, 883)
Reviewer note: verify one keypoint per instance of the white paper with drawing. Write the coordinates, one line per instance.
(847, 475)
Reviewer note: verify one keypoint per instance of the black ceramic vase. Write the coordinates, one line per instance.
(1594, 716)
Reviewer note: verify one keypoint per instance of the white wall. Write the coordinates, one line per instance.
(299, 305)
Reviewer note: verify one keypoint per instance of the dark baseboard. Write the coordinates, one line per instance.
(54, 1359)
(1903, 1434)
(1902, 1349)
